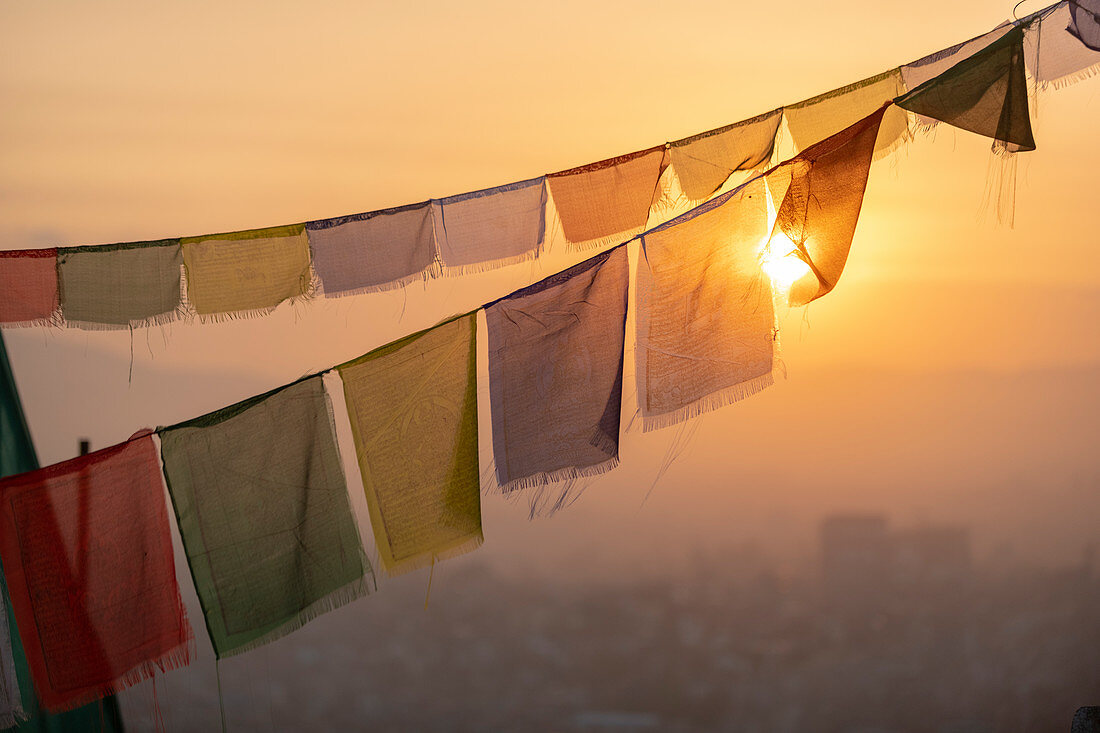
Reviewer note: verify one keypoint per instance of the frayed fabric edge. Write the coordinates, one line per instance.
(427, 559)
(607, 241)
(711, 402)
(340, 597)
(161, 319)
(476, 268)
(433, 271)
(1069, 79)
(180, 656)
(54, 320)
(546, 478)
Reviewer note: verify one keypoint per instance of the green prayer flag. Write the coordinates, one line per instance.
(263, 510)
(136, 283)
(985, 93)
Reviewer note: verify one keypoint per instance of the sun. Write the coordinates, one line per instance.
(780, 260)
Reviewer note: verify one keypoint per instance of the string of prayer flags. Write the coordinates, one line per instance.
(704, 162)
(28, 286)
(1068, 41)
(137, 283)
(264, 514)
(607, 202)
(375, 251)
(823, 195)
(413, 411)
(815, 119)
(918, 72)
(706, 321)
(87, 554)
(491, 228)
(251, 271)
(985, 93)
(556, 373)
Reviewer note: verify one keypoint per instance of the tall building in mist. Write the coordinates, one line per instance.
(865, 563)
(855, 560)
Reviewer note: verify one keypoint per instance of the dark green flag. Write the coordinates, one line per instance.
(16, 456)
(985, 93)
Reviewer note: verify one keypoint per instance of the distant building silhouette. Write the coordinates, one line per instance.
(865, 563)
(855, 560)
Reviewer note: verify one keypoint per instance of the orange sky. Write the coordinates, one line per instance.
(128, 121)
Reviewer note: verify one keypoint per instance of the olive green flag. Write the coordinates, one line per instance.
(413, 411)
(263, 510)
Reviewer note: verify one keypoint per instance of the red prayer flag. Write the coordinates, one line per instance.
(28, 285)
(87, 554)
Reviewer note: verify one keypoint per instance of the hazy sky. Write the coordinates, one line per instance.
(129, 121)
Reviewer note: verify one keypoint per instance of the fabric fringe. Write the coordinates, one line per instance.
(922, 126)
(340, 597)
(428, 559)
(570, 473)
(1000, 186)
(476, 268)
(1069, 79)
(608, 241)
(179, 657)
(902, 141)
(546, 501)
(54, 320)
(180, 313)
(711, 402)
(311, 292)
(433, 271)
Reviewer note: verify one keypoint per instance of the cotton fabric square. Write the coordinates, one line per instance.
(28, 286)
(1063, 54)
(985, 93)
(87, 555)
(607, 202)
(263, 510)
(375, 251)
(491, 228)
(822, 196)
(243, 272)
(706, 320)
(815, 119)
(137, 283)
(413, 411)
(556, 373)
(705, 161)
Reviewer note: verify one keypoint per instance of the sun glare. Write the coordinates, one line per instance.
(779, 259)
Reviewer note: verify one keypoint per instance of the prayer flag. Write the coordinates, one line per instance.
(378, 250)
(263, 510)
(985, 93)
(706, 322)
(246, 271)
(705, 161)
(413, 411)
(607, 202)
(556, 373)
(28, 286)
(821, 204)
(1068, 40)
(815, 119)
(491, 228)
(137, 283)
(87, 555)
